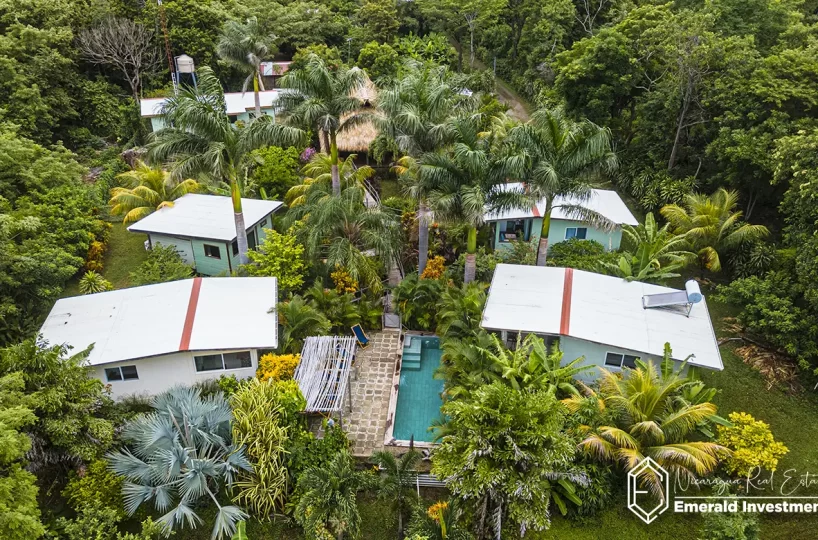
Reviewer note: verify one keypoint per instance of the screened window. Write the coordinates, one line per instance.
(576, 232)
(620, 360)
(122, 373)
(212, 251)
(235, 246)
(231, 360)
(251, 240)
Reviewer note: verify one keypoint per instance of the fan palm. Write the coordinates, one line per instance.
(343, 231)
(711, 224)
(323, 99)
(558, 158)
(179, 454)
(328, 497)
(318, 175)
(653, 419)
(654, 254)
(245, 45)
(460, 183)
(395, 483)
(416, 113)
(146, 190)
(199, 139)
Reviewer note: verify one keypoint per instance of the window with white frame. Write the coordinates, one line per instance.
(223, 361)
(613, 359)
(212, 251)
(121, 373)
(576, 232)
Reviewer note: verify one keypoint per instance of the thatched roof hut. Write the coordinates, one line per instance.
(358, 138)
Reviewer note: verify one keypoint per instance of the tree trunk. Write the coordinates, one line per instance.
(256, 95)
(423, 236)
(542, 246)
(470, 271)
(686, 97)
(238, 217)
(400, 523)
(336, 175)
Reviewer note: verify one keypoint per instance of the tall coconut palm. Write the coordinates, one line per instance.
(323, 99)
(416, 113)
(328, 498)
(146, 190)
(395, 482)
(245, 45)
(318, 175)
(199, 139)
(343, 231)
(461, 183)
(651, 420)
(652, 254)
(558, 159)
(712, 225)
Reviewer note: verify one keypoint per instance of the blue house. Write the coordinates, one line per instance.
(239, 106)
(203, 231)
(606, 320)
(526, 224)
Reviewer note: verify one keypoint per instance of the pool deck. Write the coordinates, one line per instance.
(371, 388)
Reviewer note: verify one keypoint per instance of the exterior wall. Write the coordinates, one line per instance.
(158, 122)
(183, 246)
(594, 354)
(160, 373)
(610, 240)
(210, 266)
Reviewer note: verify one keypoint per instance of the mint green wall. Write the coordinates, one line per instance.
(210, 266)
(158, 122)
(610, 240)
(183, 246)
(594, 354)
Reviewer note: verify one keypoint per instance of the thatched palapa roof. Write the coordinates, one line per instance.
(358, 138)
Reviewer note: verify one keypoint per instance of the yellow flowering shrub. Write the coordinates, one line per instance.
(434, 268)
(278, 367)
(752, 443)
(436, 510)
(343, 281)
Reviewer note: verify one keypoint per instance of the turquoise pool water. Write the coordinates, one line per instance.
(419, 393)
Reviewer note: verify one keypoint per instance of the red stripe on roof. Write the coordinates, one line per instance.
(184, 345)
(565, 319)
(536, 211)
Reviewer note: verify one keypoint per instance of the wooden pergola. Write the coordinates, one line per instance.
(323, 373)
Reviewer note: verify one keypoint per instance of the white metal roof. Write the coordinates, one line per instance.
(605, 201)
(597, 308)
(236, 102)
(189, 315)
(204, 216)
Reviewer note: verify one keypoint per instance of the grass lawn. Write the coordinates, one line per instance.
(126, 251)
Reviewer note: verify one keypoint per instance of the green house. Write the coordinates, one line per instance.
(239, 106)
(525, 224)
(203, 231)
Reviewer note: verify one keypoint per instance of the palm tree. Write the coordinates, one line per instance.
(343, 231)
(395, 483)
(245, 45)
(460, 183)
(318, 173)
(651, 420)
(711, 224)
(181, 451)
(147, 190)
(558, 158)
(323, 99)
(654, 254)
(199, 139)
(461, 311)
(91, 282)
(416, 113)
(299, 320)
(328, 497)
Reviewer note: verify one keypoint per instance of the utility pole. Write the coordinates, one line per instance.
(164, 25)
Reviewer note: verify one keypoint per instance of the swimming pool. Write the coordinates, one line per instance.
(418, 401)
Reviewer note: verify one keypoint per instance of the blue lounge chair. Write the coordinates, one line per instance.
(360, 335)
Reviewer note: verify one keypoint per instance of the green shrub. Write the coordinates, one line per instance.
(521, 252)
(162, 265)
(738, 526)
(752, 443)
(486, 263)
(96, 483)
(579, 254)
(276, 171)
(415, 301)
(279, 255)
